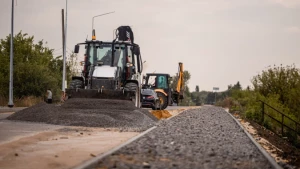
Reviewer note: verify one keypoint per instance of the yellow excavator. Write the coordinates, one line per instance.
(161, 84)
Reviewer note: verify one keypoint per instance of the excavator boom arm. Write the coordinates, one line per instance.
(180, 82)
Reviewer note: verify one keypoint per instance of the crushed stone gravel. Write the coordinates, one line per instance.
(200, 138)
(105, 113)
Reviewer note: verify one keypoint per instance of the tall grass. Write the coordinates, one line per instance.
(22, 102)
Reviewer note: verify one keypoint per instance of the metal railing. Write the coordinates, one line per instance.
(283, 116)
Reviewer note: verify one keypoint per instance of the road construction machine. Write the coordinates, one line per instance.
(161, 84)
(111, 70)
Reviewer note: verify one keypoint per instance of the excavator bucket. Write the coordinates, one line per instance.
(99, 94)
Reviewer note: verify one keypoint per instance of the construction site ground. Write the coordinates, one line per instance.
(203, 137)
(38, 145)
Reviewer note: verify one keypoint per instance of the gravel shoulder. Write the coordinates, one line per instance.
(197, 138)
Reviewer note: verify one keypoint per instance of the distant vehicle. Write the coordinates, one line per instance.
(160, 83)
(150, 99)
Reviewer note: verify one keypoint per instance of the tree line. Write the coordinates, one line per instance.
(35, 68)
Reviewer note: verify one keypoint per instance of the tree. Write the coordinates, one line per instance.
(73, 65)
(197, 88)
(210, 98)
(277, 80)
(35, 68)
(248, 87)
(283, 82)
(198, 101)
(237, 86)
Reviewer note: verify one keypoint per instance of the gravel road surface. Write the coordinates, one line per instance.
(198, 138)
(90, 113)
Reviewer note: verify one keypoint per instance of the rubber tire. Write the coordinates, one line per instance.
(153, 108)
(137, 96)
(76, 83)
(157, 106)
(164, 99)
(130, 87)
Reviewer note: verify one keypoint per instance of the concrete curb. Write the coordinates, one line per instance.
(93, 162)
(260, 148)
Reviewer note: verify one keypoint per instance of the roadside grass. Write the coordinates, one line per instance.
(22, 102)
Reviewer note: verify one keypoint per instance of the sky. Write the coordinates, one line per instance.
(219, 42)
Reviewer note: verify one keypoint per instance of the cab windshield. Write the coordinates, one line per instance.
(158, 81)
(103, 53)
(100, 52)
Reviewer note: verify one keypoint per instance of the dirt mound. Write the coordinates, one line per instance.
(161, 114)
(90, 113)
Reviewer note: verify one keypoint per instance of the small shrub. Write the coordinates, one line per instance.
(248, 115)
(292, 137)
(267, 124)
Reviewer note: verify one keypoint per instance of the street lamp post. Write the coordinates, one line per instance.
(64, 53)
(10, 102)
(94, 35)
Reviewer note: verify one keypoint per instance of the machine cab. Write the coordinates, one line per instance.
(111, 60)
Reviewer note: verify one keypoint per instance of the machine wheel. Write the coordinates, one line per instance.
(130, 87)
(163, 100)
(76, 83)
(157, 106)
(137, 96)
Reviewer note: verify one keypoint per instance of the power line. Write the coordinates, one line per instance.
(69, 49)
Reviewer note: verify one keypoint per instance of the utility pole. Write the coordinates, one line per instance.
(10, 102)
(64, 54)
(63, 47)
(63, 28)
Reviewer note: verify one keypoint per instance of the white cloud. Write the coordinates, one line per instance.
(287, 3)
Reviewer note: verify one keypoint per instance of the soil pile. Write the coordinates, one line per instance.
(89, 113)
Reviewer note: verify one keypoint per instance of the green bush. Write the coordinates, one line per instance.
(279, 87)
(35, 68)
(267, 124)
